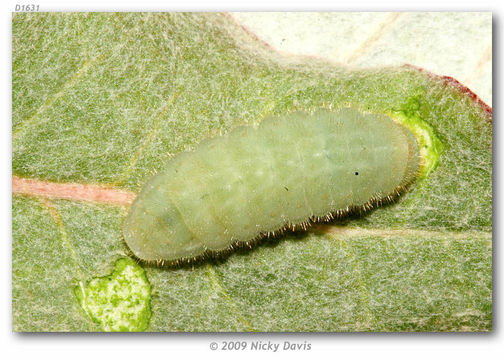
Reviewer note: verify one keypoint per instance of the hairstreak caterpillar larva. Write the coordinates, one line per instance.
(285, 173)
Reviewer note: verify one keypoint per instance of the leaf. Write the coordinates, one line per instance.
(105, 99)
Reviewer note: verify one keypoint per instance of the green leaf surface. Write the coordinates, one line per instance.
(104, 98)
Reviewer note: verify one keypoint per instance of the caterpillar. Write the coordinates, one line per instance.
(285, 173)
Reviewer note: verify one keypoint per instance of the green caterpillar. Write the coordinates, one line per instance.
(285, 173)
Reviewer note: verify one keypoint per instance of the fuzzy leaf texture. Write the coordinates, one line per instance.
(106, 99)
